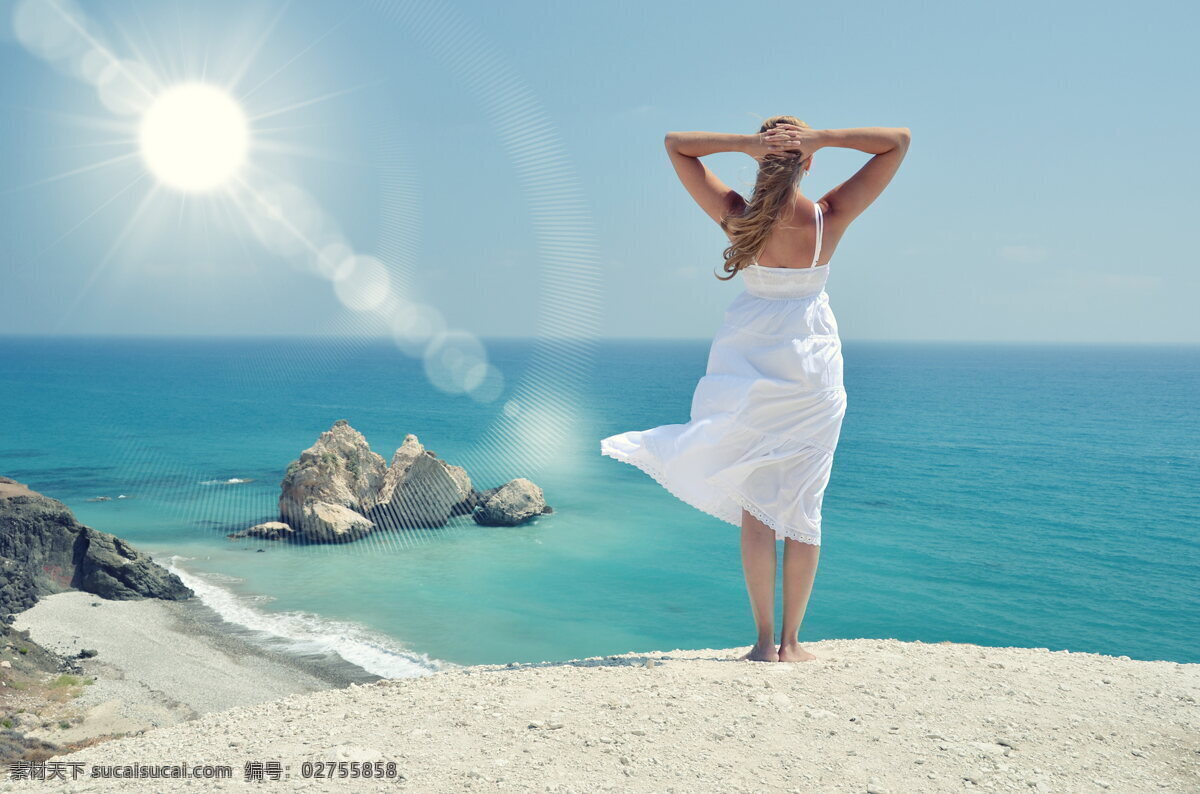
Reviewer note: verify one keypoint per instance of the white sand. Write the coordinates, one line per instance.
(159, 662)
(867, 716)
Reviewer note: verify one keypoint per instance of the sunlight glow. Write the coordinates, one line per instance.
(193, 134)
(194, 137)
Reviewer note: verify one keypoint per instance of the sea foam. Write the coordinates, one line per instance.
(305, 633)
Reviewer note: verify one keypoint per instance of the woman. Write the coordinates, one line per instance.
(766, 417)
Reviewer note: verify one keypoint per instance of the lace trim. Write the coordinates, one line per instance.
(781, 532)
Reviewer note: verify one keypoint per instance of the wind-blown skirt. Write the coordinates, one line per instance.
(765, 419)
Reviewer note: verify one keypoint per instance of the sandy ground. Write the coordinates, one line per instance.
(162, 662)
(867, 716)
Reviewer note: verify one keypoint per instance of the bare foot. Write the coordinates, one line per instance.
(761, 653)
(792, 652)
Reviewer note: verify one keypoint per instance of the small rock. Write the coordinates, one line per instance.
(269, 530)
(515, 502)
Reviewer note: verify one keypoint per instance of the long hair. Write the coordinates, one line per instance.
(748, 232)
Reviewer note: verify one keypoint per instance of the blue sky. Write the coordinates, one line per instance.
(1049, 193)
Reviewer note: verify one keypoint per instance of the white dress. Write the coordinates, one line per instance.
(766, 416)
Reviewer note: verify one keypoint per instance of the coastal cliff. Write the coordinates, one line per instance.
(44, 550)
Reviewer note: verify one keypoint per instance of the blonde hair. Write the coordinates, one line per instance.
(748, 232)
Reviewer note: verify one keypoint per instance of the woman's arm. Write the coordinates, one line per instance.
(686, 148)
(872, 140)
(715, 197)
(848, 200)
(699, 144)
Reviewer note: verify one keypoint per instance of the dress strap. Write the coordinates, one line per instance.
(820, 228)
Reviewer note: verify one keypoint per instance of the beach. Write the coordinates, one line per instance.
(868, 715)
(161, 662)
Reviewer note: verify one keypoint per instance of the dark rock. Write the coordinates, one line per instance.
(88, 653)
(44, 550)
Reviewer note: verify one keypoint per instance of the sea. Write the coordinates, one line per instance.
(1003, 495)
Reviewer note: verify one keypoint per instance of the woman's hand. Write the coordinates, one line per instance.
(787, 140)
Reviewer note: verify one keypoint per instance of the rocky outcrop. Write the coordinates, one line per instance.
(268, 530)
(339, 491)
(420, 489)
(44, 550)
(329, 523)
(339, 469)
(515, 502)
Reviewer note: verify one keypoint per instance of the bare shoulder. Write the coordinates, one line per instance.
(830, 217)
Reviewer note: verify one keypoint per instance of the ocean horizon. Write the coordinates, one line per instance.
(1005, 494)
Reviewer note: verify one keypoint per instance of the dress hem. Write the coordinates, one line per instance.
(781, 533)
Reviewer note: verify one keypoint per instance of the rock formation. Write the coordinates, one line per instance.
(339, 469)
(269, 530)
(513, 503)
(325, 522)
(44, 550)
(339, 491)
(419, 489)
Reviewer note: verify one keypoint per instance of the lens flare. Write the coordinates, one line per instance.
(194, 137)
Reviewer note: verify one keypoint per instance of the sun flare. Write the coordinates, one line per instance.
(194, 137)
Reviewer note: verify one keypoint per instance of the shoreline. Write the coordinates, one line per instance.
(313, 638)
(163, 662)
(875, 715)
(881, 716)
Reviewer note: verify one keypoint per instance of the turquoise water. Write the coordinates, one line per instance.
(1001, 495)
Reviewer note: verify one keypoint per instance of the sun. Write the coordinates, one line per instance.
(194, 137)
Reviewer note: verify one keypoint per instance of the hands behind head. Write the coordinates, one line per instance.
(784, 141)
